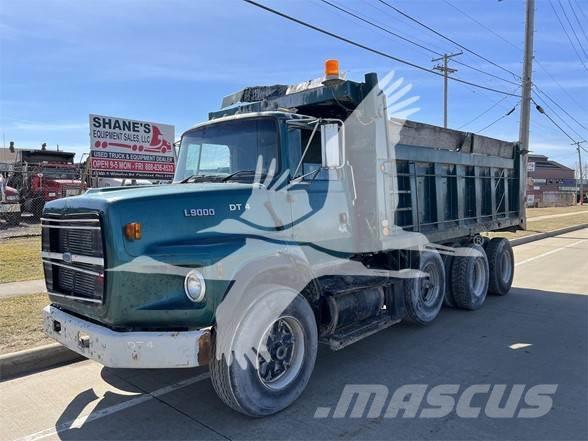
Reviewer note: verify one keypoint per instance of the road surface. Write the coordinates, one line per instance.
(536, 335)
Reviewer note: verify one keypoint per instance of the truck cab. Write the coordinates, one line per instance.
(298, 215)
(45, 175)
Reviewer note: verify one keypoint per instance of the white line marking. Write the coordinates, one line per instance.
(531, 259)
(83, 419)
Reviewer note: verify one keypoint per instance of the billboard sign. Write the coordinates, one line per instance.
(126, 148)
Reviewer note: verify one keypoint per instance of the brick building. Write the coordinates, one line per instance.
(550, 183)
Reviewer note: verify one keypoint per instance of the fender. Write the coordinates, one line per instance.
(285, 266)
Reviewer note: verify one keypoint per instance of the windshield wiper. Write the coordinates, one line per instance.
(196, 176)
(239, 172)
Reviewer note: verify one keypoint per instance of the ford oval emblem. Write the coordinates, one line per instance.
(67, 258)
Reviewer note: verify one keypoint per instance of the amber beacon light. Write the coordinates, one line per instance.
(332, 69)
(133, 231)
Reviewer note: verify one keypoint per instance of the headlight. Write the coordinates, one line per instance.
(195, 286)
(12, 198)
(52, 194)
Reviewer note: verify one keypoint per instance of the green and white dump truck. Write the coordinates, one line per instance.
(298, 215)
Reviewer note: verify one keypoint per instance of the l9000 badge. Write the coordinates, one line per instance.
(197, 212)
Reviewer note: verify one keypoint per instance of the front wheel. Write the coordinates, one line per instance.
(270, 356)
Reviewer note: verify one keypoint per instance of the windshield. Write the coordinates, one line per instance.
(223, 149)
(57, 173)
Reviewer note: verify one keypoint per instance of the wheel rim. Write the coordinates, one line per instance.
(280, 353)
(430, 285)
(505, 267)
(479, 278)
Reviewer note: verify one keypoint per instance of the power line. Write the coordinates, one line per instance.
(496, 34)
(542, 111)
(541, 66)
(560, 107)
(348, 12)
(568, 36)
(572, 27)
(370, 49)
(577, 19)
(483, 113)
(558, 115)
(408, 40)
(558, 85)
(583, 14)
(404, 14)
(499, 119)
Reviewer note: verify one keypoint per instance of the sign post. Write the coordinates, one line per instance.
(125, 148)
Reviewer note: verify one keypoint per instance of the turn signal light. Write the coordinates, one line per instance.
(133, 231)
(332, 69)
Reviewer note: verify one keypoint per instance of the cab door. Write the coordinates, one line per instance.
(320, 200)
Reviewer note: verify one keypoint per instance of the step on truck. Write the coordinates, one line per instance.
(299, 215)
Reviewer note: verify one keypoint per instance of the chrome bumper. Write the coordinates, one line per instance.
(127, 349)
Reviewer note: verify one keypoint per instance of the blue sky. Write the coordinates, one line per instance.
(173, 61)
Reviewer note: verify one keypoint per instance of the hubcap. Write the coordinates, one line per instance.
(479, 278)
(429, 289)
(280, 353)
(505, 267)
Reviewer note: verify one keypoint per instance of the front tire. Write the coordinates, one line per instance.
(501, 264)
(270, 356)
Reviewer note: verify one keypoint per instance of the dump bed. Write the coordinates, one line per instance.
(450, 183)
(443, 183)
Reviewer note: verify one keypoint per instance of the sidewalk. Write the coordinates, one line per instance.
(14, 289)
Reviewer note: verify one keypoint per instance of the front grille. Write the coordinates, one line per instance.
(79, 241)
(73, 256)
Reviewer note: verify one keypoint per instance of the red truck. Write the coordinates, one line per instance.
(9, 203)
(41, 176)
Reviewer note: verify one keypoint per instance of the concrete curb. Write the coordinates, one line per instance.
(539, 236)
(36, 359)
(45, 357)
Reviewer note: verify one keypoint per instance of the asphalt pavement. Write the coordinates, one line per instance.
(536, 335)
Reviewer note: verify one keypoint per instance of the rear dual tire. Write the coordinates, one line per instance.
(501, 265)
(470, 277)
(423, 295)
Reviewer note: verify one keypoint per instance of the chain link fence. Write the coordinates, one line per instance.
(27, 188)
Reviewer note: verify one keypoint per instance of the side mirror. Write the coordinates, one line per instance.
(332, 145)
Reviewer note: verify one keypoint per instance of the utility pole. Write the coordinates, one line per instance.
(526, 105)
(577, 144)
(446, 71)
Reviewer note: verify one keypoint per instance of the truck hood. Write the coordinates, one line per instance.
(117, 194)
(172, 217)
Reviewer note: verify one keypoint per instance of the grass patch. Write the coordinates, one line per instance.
(20, 259)
(21, 323)
(544, 225)
(548, 211)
